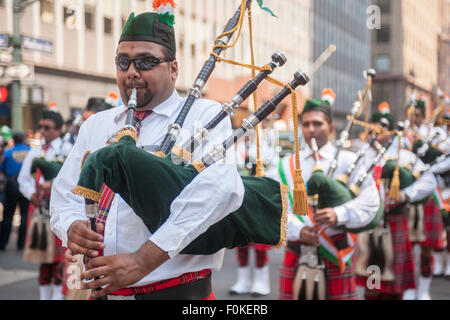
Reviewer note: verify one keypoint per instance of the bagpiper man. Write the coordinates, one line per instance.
(37, 190)
(432, 244)
(131, 262)
(397, 211)
(336, 245)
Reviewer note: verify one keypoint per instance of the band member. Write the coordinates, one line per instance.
(50, 274)
(336, 245)
(133, 263)
(397, 213)
(432, 246)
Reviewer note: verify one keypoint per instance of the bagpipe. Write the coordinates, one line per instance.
(194, 93)
(40, 246)
(310, 279)
(356, 111)
(333, 193)
(426, 150)
(202, 135)
(149, 183)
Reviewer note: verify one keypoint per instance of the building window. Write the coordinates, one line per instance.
(383, 34)
(107, 22)
(2, 3)
(69, 17)
(383, 63)
(385, 5)
(47, 11)
(89, 15)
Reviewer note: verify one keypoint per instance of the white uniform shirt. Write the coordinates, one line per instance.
(353, 214)
(420, 189)
(211, 196)
(27, 184)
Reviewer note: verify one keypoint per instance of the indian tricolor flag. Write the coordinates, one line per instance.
(443, 205)
(328, 96)
(340, 258)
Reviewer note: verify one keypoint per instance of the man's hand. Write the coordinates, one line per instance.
(46, 187)
(310, 235)
(35, 199)
(82, 240)
(326, 217)
(123, 270)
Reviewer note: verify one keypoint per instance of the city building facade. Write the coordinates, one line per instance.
(343, 24)
(405, 53)
(72, 44)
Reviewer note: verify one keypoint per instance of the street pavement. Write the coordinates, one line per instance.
(18, 279)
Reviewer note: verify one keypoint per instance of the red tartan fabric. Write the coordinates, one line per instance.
(433, 226)
(339, 286)
(287, 274)
(260, 252)
(403, 265)
(51, 273)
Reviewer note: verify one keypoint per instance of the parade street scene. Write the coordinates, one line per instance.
(225, 150)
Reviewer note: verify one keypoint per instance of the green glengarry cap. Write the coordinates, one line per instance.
(149, 27)
(316, 104)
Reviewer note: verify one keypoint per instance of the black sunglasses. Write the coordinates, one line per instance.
(141, 63)
(46, 128)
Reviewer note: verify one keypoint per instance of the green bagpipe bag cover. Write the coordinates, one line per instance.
(405, 175)
(49, 169)
(429, 156)
(149, 184)
(332, 194)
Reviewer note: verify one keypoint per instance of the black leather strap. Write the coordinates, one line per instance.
(197, 290)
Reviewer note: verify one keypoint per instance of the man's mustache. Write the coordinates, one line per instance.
(135, 85)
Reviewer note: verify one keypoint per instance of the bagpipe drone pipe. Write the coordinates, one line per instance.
(333, 193)
(149, 183)
(195, 92)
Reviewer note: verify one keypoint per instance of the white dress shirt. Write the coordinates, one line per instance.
(422, 187)
(352, 214)
(211, 196)
(27, 184)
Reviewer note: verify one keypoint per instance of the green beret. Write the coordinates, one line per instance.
(316, 104)
(420, 104)
(377, 116)
(149, 27)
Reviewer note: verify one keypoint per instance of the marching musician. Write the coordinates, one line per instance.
(131, 262)
(397, 212)
(50, 125)
(432, 247)
(317, 122)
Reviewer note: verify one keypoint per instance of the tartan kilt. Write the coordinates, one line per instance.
(433, 226)
(339, 286)
(403, 264)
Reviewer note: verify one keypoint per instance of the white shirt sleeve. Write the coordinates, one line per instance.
(361, 210)
(441, 167)
(66, 207)
(422, 188)
(210, 197)
(27, 184)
